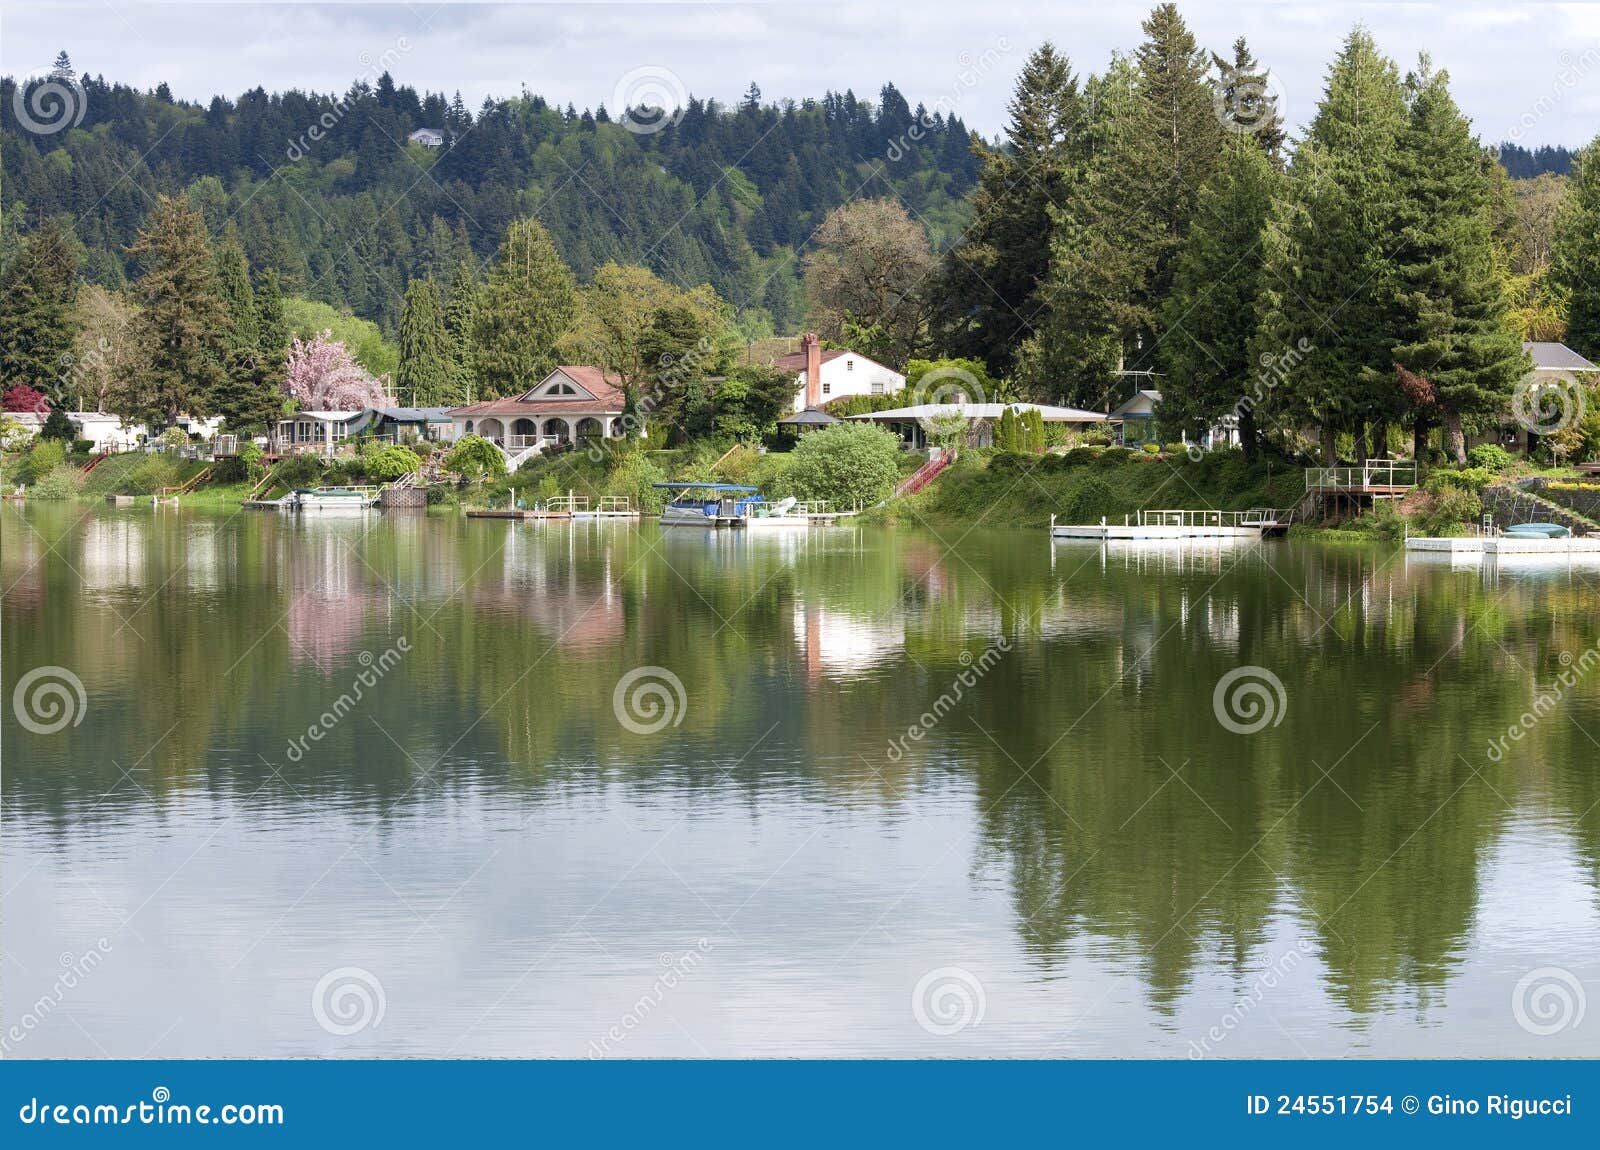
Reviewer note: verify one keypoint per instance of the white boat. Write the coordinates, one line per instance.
(331, 499)
(789, 512)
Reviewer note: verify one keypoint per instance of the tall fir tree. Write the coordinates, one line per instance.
(992, 279)
(460, 318)
(1575, 266)
(1154, 139)
(272, 326)
(183, 318)
(1245, 101)
(1442, 279)
(1326, 255)
(37, 293)
(528, 302)
(423, 377)
(1212, 313)
(242, 395)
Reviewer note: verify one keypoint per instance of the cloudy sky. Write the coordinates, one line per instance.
(1523, 71)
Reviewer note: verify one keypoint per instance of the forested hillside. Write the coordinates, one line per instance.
(325, 190)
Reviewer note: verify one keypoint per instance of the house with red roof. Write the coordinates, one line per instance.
(570, 404)
(823, 376)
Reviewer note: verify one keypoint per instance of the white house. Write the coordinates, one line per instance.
(105, 431)
(427, 137)
(822, 376)
(915, 423)
(569, 404)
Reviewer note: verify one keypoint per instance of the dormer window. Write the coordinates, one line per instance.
(561, 389)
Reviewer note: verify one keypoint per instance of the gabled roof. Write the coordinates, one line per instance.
(414, 414)
(606, 390)
(796, 361)
(810, 417)
(1556, 357)
(1154, 398)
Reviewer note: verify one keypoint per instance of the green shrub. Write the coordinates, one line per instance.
(61, 482)
(1490, 457)
(150, 475)
(387, 464)
(174, 437)
(300, 471)
(1452, 509)
(1114, 457)
(43, 457)
(1471, 479)
(847, 464)
(83, 446)
(1152, 449)
(246, 464)
(1174, 448)
(634, 477)
(1081, 455)
(474, 457)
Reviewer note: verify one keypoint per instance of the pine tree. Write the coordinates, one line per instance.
(272, 326)
(1246, 103)
(36, 298)
(460, 317)
(527, 304)
(991, 280)
(1213, 311)
(242, 396)
(1154, 139)
(1443, 281)
(1326, 256)
(423, 378)
(1576, 266)
(184, 315)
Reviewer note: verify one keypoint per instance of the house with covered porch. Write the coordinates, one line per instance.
(572, 403)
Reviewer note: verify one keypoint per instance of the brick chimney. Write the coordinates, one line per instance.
(813, 350)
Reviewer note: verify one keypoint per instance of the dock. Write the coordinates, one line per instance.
(564, 507)
(1493, 545)
(1256, 523)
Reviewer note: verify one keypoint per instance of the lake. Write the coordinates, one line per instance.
(418, 785)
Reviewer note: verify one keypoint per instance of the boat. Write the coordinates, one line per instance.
(791, 512)
(330, 499)
(708, 504)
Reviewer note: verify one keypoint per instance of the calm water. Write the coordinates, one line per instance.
(921, 796)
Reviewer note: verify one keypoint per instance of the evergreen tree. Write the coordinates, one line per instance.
(992, 279)
(242, 395)
(1325, 253)
(58, 426)
(527, 304)
(1576, 254)
(460, 317)
(1245, 101)
(36, 297)
(1442, 281)
(272, 326)
(183, 319)
(423, 378)
(1153, 138)
(1213, 311)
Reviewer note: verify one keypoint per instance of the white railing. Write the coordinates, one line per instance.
(1382, 473)
(568, 503)
(1254, 517)
(615, 504)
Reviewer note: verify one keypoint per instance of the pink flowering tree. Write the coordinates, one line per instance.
(323, 376)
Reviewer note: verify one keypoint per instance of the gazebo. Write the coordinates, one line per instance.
(809, 419)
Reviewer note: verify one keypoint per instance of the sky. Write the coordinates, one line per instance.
(1523, 72)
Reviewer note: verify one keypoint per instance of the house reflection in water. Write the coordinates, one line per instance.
(841, 644)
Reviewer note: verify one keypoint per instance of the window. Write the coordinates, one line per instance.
(561, 389)
(849, 364)
(827, 387)
(877, 387)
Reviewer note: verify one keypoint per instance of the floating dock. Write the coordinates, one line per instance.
(1186, 524)
(1505, 545)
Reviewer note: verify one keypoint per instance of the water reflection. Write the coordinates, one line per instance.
(1071, 814)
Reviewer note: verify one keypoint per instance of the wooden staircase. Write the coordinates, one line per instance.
(923, 475)
(94, 461)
